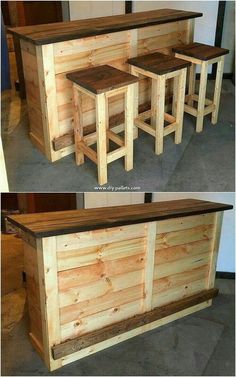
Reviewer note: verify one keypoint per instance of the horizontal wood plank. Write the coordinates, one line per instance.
(110, 331)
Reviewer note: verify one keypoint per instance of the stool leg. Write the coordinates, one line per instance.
(107, 125)
(191, 83)
(78, 125)
(217, 91)
(129, 121)
(180, 105)
(201, 97)
(136, 100)
(158, 94)
(101, 116)
(175, 95)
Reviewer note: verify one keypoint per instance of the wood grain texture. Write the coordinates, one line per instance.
(158, 63)
(201, 51)
(65, 222)
(61, 31)
(110, 331)
(101, 79)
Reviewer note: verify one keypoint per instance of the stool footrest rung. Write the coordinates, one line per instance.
(190, 110)
(144, 126)
(114, 155)
(89, 152)
(209, 109)
(195, 97)
(170, 128)
(115, 138)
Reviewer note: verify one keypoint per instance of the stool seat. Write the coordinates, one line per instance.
(200, 51)
(158, 63)
(101, 79)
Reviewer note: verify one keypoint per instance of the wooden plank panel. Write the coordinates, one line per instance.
(98, 237)
(179, 252)
(101, 319)
(131, 323)
(149, 265)
(96, 288)
(90, 255)
(110, 300)
(178, 293)
(178, 266)
(204, 232)
(89, 58)
(175, 280)
(181, 223)
(131, 333)
(215, 249)
(102, 269)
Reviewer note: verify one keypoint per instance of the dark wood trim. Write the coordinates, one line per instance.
(128, 7)
(219, 30)
(225, 275)
(107, 217)
(97, 336)
(148, 197)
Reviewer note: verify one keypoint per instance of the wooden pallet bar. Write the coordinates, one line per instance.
(97, 277)
(49, 52)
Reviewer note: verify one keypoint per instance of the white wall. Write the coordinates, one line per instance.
(106, 199)
(228, 38)
(205, 26)
(90, 9)
(226, 258)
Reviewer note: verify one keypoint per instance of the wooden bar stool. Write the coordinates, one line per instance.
(204, 55)
(159, 68)
(101, 83)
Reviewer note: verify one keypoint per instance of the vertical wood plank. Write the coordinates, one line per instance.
(101, 138)
(217, 90)
(78, 124)
(191, 82)
(175, 94)
(129, 122)
(133, 51)
(47, 88)
(180, 106)
(202, 97)
(215, 249)
(136, 100)
(149, 265)
(190, 33)
(159, 99)
(48, 288)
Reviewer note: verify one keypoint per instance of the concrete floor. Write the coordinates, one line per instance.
(200, 344)
(202, 162)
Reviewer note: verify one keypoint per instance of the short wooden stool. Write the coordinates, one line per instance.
(101, 83)
(159, 68)
(204, 55)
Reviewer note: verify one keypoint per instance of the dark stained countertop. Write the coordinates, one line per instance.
(65, 222)
(62, 31)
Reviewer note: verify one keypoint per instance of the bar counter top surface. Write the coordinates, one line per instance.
(62, 31)
(64, 222)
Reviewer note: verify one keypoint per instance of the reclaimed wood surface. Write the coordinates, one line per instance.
(61, 31)
(201, 51)
(64, 222)
(158, 63)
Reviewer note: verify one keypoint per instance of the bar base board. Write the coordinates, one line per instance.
(132, 333)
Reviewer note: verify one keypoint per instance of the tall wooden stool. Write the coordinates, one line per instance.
(160, 68)
(101, 83)
(204, 55)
